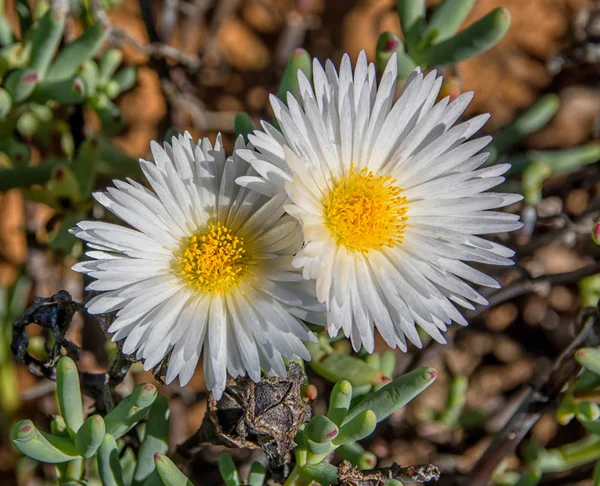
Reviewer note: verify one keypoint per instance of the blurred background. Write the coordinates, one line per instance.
(193, 65)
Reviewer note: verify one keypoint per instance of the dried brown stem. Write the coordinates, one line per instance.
(526, 286)
(542, 393)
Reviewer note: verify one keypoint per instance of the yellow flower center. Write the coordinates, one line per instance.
(366, 212)
(214, 261)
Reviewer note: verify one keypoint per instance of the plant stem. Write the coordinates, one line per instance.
(296, 478)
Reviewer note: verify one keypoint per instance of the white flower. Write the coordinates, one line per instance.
(390, 197)
(208, 268)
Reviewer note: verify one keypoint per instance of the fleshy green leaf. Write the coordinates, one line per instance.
(69, 393)
(125, 79)
(20, 84)
(243, 125)
(27, 176)
(357, 455)
(321, 429)
(395, 394)
(41, 447)
(228, 470)
(323, 473)
(109, 467)
(336, 367)
(299, 61)
(90, 436)
(532, 119)
(45, 39)
(168, 472)
(474, 40)
(388, 44)
(130, 410)
(5, 103)
(357, 428)
(77, 52)
(589, 358)
(339, 402)
(256, 476)
(156, 439)
(109, 63)
(412, 20)
(447, 18)
(128, 463)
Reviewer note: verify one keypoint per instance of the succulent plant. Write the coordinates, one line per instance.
(75, 439)
(43, 82)
(348, 421)
(434, 41)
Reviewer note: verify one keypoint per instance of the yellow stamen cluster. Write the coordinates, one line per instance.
(215, 261)
(366, 212)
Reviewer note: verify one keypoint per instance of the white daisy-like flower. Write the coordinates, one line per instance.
(206, 268)
(390, 195)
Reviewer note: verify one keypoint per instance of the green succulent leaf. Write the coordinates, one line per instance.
(243, 125)
(45, 40)
(228, 470)
(25, 15)
(389, 44)
(66, 91)
(108, 64)
(5, 103)
(109, 114)
(20, 84)
(321, 429)
(130, 410)
(336, 367)
(88, 73)
(447, 19)
(41, 447)
(156, 440)
(257, 474)
(474, 40)
(168, 472)
(339, 402)
(27, 176)
(77, 52)
(532, 119)
(90, 436)
(357, 456)
(109, 467)
(457, 396)
(323, 473)
(125, 79)
(395, 394)
(589, 358)
(412, 20)
(357, 428)
(128, 463)
(299, 61)
(392, 482)
(6, 34)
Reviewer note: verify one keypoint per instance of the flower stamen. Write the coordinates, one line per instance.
(214, 261)
(366, 212)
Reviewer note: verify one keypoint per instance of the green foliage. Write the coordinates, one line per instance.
(13, 302)
(577, 403)
(43, 82)
(365, 373)
(73, 440)
(243, 125)
(434, 41)
(345, 424)
(299, 61)
(531, 120)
